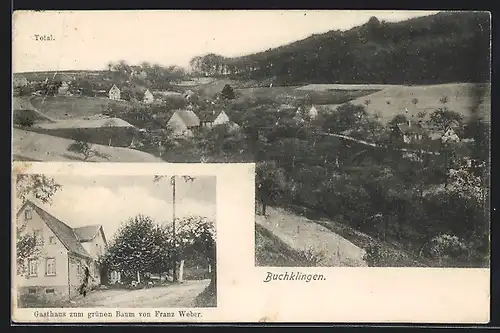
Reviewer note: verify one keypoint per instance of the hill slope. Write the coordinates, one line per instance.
(440, 48)
(41, 147)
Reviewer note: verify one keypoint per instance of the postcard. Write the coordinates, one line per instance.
(251, 166)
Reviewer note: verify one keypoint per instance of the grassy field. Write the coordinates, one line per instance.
(291, 93)
(304, 234)
(69, 107)
(29, 145)
(397, 99)
(335, 86)
(270, 251)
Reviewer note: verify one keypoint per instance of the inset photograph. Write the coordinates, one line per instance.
(115, 241)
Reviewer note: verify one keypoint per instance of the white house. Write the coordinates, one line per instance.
(148, 97)
(450, 136)
(213, 118)
(114, 93)
(313, 112)
(56, 269)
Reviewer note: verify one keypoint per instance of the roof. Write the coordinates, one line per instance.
(87, 233)
(87, 123)
(209, 115)
(65, 233)
(188, 117)
(114, 87)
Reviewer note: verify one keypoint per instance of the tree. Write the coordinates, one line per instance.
(398, 119)
(140, 246)
(196, 238)
(443, 118)
(228, 92)
(270, 185)
(82, 147)
(348, 116)
(43, 189)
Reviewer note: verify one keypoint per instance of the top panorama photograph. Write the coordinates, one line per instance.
(300, 89)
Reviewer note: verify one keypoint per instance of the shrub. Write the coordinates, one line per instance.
(24, 119)
(445, 247)
(311, 256)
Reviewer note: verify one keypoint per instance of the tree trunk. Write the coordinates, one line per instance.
(181, 271)
(138, 277)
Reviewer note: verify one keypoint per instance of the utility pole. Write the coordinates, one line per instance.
(174, 254)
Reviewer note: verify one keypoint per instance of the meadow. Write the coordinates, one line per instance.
(68, 107)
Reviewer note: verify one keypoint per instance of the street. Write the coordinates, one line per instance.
(174, 296)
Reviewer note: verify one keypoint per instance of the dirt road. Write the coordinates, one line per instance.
(302, 234)
(174, 296)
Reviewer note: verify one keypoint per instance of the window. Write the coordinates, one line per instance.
(52, 240)
(50, 268)
(33, 267)
(50, 291)
(27, 214)
(37, 233)
(78, 268)
(32, 290)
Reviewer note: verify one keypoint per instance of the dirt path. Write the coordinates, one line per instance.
(174, 296)
(302, 234)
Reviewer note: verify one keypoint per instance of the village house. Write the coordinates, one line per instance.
(114, 93)
(148, 97)
(448, 136)
(56, 270)
(63, 89)
(213, 118)
(313, 112)
(409, 132)
(184, 123)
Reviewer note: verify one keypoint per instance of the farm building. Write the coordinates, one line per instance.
(408, 132)
(313, 112)
(148, 97)
(448, 136)
(213, 118)
(184, 122)
(56, 271)
(114, 93)
(63, 89)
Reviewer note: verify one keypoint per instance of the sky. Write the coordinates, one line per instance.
(110, 200)
(90, 39)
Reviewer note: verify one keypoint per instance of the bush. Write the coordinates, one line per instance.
(24, 119)
(445, 247)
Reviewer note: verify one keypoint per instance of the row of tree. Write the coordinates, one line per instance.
(446, 47)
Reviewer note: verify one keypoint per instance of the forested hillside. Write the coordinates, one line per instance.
(445, 47)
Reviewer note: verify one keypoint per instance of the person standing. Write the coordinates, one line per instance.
(86, 277)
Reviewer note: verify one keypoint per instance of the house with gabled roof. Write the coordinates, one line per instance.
(408, 132)
(148, 97)
(184, 123)
(114, 93)
(56, 269)
(210, 118)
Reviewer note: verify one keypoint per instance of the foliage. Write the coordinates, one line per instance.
(270, 184)
(43, 189)
(375, 52)
(140, 245)
(347, 117)
(443, 118)
(82, 147)
(447, 246)
(24, 119)
(228, 92)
